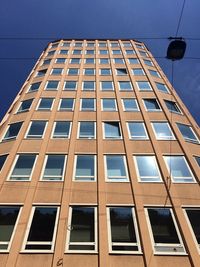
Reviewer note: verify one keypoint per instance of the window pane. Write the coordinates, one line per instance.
(60, 60)
(197, 160)
(13, 130)
(56, 71)
(144, 86)
(116, 169)
(87, 104)
(125, 86)
(151, 104)
(67, 104)
(133, 61)
(54, 167)
(137, 130)
(45, 104)
(70, 85)
(89, 61)
(106, 86)
(105, 71)
(112, 130)
(52, 85)
(138, 72)
(36, 129)
(109, 104)
(87, 129)
(73, 71)
(154, 73)
(62, 129)
(187, 133)
(118, 61)
(85, 169)
(172, 106)
(163, 131)
(104, 61)
(89, 85)
(23, 167)
(34, 86)
(194, 218)
(121, 71)
(89, 72)
(162, 87)
(2, 160)
(130, 104)
(25, 105)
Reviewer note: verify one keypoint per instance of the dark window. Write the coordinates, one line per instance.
(13, 130)
(194, 218)
(2, 160)
(36, 129)
(25, 105)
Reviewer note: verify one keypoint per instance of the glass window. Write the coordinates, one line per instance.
(63, 52)
(41, 73)
(83, 234)
(148, 62)
(179, 169)
(90, 44)
(162, 87)
(139, 46)
(154, 73)
(46, 62)
(88, 104)
(52, 85)
(138, 72)
(118, 60)
(114, 44)
(41, 230)
(2, 160)
(70, 85)
(144, 86)
(130, 52)
(187, 133)
(75, 61)
(36, 129)
(65, 44)
(151, 105)
(105, 71)
(89, 71)
(133, 61)
(56, 71)
(125, 86)
(123, 230)
(116, 168)
(51, 53)
(13, 130)
(77, 52)
(130, 104)
(193, 215)
(102, 44)
(89, 61)
(143, 54)
(137, 131)
(162, 131)
(89, 86)
(121, 71)
(86, 130)
(66, 104)
(89, 52)
(126, 44)
(54, 166)
(23, 167)
(173, 107)
(34, 87)
(8, 221)
(25, 105)
(45, 104)
(147, 168)
(60, 60)
(197, 160)
(78, 44)
(164, 231)
(62, 129)
(112, 130)
(107, 86)
(85, 168)
(104, 61)
(73, 71)
(108, 104)
(116, 52)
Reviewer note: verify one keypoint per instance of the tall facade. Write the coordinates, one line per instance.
(100, 163)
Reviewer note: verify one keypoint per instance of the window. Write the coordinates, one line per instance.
(12, 131)
(41, 73)
(172, 107)
(88, 104)
(65, 44)
(41, 230)
(130, 52)
(133, 61)
(105, 71)
(103, 61)
(130, 104)
(151, 104)
(51, 53)
(45, 104)
(46, 62)
(89, 71)
(57, 71)
(66, 104)
(70, 85)
(124, 237)
(121, 72)
(89, 86)
(89, 52)
(82, 229)
(102, 44)
(73, 71)
(107, 86)
(127, 44)
(34, 87)
(114, 44)
(108, 104)
(52, 85)
(188, 133)
(143, 54)
(125, 86)
(137, 131)
(116, 52)
(63, 52)
(62, 129)
(77, 52)
(53, 46)
(179, 169)
(162, 131)
(118, 60)
(89, 61)
(8, 221)
(75, 61)
(112, 130)
(138, 72)
(165, 235)
(85, 168)
(197, 160)
(25, 105)
(2, 161)
(23, 167)
(148, 62)
(162, 87)
(60, 60)
(86, 130)
(90, 44)
(36, 129)
(193, 215)
(144, 86)
(54, 167)
(116, 168)
(139, 46)
(154, 73)
(147, 168)
(78, 44)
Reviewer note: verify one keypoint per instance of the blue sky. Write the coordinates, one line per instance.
(137, 19)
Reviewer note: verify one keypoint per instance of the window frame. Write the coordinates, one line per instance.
(88, 89)
(57, 74)
(67, 89)
(125, 90)
(109, 110)
(54, 89)
(61, 136)
(3, 139)
(107, 90)
(124, 108)
(37, 137)
(86, 138)
(20, 105)
(152, 110)
(150, 89)
(112, 138)
(80, 179)
(45, 109)
(187, 139)
(60, 101)
(172, 137)
(176, 105)
(145, 137)
(86, 110)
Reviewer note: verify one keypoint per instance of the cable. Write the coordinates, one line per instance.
(179, 22)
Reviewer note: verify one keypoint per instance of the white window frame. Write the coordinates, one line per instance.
(87, 110)
(73, 74)
(89, 138)
(151, 63)
(89, 74)
(125, 90)
(56, 61)
(167, 90)
(61, 136)
(114, 179)
(89, 63)
(3, 139)
(129, 61)
(46, 89)
(107, 90)
(129, 110)
(110, 243)
(81, 52)
(24, 110)
(150, 89)
(143, 73)
(60, 101)
(177, 106)
(195, 141)
(52, 243)
(109, 110)
(33, 90)
(110, 72)
(155, 76)
(35, 136)
(144, 137)
(45, 109)
(59, 52)
(69, 228)
(80, 179)
(51, 73)
(70, 90)
(119, 50)
(90, 89)
(163, 245)
(146, 179)
(151, 110)
(165, 137)
(116, 69)
(118, 63)
(104, 63)
(110, 137)
(70, 62)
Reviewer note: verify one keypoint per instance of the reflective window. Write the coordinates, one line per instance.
(187, 133)
(34, 87)
(78, 44)
(151, 105)
(172, 106)
(125, 86)
(12, 131)
(130, 52)
(163, 131)
(85, 168)
(88, 85)
(86, 130)
(102, 44)
(197, 160)
(130, 104)
(133, 61)
(51, 53)
(36, 129)
(162, 87)
(56, 71)
(75, 61)
(73, 71)
(116, 168)
(105, 71)
(45, 104)
(112, 130)
(60, 60)
(46, 62)
(104, 61)
(53, 169)
(114, 44)
(148, 62)
(52, 85)
(61, 129)
(25, 105)
(144, 86)
(118, 60)
(89, 71)
(77, 52)
(116, 52)
(89, 61)
(89, 52)
(138, 72)
(88, 104)
(70, 85)
(137, 131)
(108, 104)
(66, 104)
(154, 73)
(63, 52)
(107, 86)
